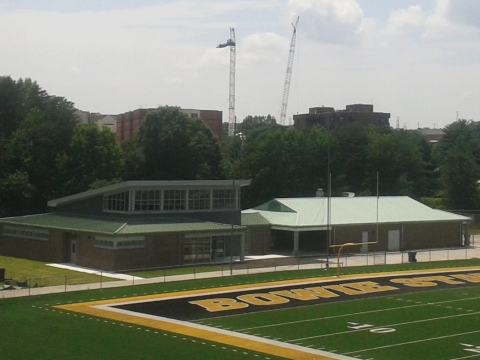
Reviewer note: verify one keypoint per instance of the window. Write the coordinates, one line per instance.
(199, 199)
(174, 200)
(148, 200)
(117, 202)
(197, 249)
(130, 244)
(223, 199)
(107, 242)
(26, 233)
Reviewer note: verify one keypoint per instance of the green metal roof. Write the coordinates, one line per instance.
(312, 213)
(116, 226)
(253, 219)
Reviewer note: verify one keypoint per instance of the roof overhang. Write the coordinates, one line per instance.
(152, 185)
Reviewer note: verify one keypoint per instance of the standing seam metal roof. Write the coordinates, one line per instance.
(116, 226)
(312, 212)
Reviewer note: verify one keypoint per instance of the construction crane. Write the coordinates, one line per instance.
(231, 98)
(288, 78)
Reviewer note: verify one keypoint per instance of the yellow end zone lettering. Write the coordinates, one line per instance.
(219, 304)
(263, 299)
(360, 288)
(312, 293)
(473, 278)
(426, 281)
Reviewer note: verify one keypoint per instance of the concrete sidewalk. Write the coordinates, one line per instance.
(345, 261)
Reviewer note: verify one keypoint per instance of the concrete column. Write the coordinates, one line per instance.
(295, 243)
(242, 247)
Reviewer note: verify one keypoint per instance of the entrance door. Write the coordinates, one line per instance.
(364, 240)
(394, 240)
(73, 251)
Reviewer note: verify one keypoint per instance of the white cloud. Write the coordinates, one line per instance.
(418, 64)
(330, 21)
(464, 12)
(75, 70)
(405, 22)
(263, 48)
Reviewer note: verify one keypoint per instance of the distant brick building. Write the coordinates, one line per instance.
(328, 117)
(124, 125)
(433, 136)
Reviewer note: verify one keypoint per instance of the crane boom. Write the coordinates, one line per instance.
(288, 78)
(231, 97)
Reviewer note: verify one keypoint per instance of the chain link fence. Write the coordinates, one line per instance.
(102, 279)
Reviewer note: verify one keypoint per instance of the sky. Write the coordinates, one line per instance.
(418, 60)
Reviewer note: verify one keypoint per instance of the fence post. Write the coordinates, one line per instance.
(101, 274)
(65, 283)
(29, 286)
(194, 272)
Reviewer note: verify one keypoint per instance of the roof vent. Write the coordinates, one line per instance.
(348, 194)
(319, 193)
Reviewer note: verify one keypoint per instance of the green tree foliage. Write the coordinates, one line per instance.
(16, 194)
(287, 163)
(92, 156)
(459, 156)
(397, 158)
(174, 146)
(43, 134)
(11, 109)
(34, 129)
(295, 163)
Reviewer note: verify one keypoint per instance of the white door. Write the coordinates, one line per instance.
(73, 251)
(364, 240)
(393, 240)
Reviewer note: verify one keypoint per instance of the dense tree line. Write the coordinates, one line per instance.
(46, 153)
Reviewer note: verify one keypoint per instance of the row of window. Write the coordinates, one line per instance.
(170, 200)
(43, 235)
(108, 243)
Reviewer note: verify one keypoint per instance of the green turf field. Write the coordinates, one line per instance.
(436, 325)
(439, 324)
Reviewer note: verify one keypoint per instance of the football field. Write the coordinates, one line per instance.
(402, 315)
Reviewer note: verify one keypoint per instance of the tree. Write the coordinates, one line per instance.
(458, 153)
(396, 156)
(11, 109)
(288, 163)
(175, 146)
(92, 156)
(42, 135)
(16, 194)
(349, 157)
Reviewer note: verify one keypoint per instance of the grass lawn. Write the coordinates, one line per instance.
(37, 272)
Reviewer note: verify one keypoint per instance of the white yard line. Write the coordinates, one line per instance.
(389, 326)
(350, 314)
(415, 342)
